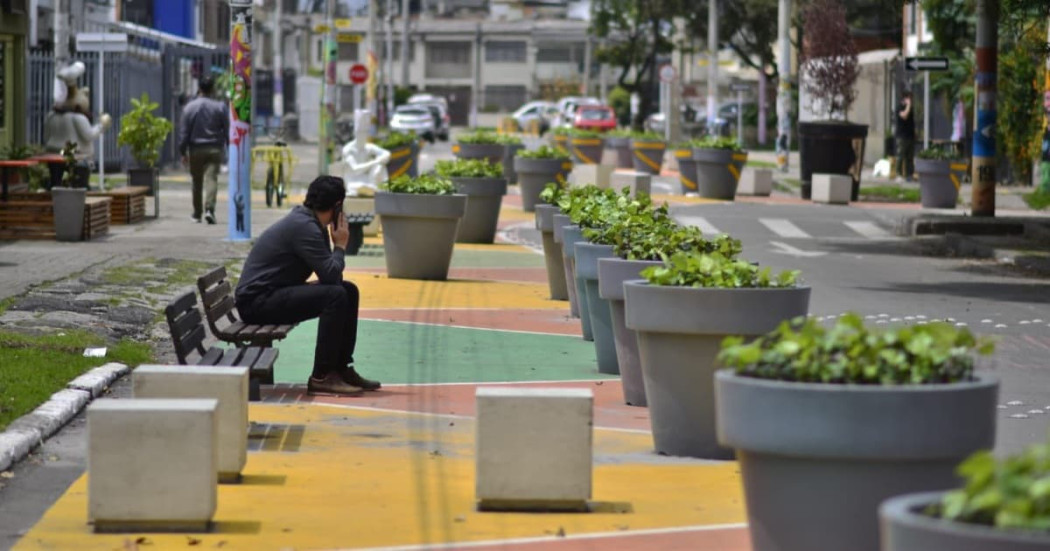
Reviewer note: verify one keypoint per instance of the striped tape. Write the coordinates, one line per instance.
(689, 184)
(649, 162)
(586, 159)
(401, 170)
(648, 145)
(734, 170)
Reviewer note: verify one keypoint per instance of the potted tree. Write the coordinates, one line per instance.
(828, 423)
(1003, 505)
(404, 154)
(536, 169)
(480, 145)
(619, 140)
(829, 70)
(552, 257)
(648, 149)
(144, 133)
(420, 219)
(586, 147)
(939, 178)
(718, 165)
(681, 313)
(484, 185)
(68, 199)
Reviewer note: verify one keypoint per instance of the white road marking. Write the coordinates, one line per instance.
(784, 228)
(707, 228)
(784, 248)
(868, 229)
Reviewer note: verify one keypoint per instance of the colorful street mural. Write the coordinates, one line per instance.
(240, 213)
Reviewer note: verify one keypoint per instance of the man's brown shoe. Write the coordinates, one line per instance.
(332, 384)
(352, 378)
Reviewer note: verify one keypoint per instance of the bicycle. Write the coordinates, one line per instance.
(277, 156)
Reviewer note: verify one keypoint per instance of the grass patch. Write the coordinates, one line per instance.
(7, 303)
(897, 194)
(35, 367)
(762, 164)
(1037, 200)
(793, 182)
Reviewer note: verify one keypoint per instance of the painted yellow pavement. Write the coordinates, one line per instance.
(659, 198)
(495, 247)
(379, 291)
(363, 478)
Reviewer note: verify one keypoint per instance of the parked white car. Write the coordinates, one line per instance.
(542, 111)
(414, 118)
(567, 109)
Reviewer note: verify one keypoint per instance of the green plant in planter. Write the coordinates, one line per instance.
(850, 353)
(469, 168)
(507, 139)
(480, 138)
(395, 140)
(426, 184)
(583, 134)
(647, 136)
(712, 142)
(562, 131)
(583, 205)
(620, 133)
(658, 237)
(1012, 493)
(543, 152)
(143, 131)
(692, 269)
(552, 193)
(937, 154)
(18, 152)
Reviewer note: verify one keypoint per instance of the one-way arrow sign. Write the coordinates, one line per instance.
(926, 63)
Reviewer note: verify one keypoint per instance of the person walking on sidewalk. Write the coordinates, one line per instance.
(905, 138)
(273, 288)
(203, 135)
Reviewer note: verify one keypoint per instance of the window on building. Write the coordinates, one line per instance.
(449, 60)
(560, 53)
(397, 51)
(505, 52)
(348, 51)
(503, 98)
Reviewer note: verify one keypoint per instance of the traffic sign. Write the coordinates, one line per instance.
(740, 87)
(667, 73)
(343, 23)
(926, 63)
(358, 73)
(348, 38)
(102, 42)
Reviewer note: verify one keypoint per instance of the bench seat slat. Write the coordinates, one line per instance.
(211, 357)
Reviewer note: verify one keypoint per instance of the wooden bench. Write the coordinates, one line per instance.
(217, 298)
(32, 216)
(129, 203)
(187, 334)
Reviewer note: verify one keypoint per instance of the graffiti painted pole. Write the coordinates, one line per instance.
(783, 85)
(983, 175)
(240, 152)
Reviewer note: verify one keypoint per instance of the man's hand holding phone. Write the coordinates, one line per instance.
(340, 229)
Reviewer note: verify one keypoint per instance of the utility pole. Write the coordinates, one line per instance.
(712, 66)
(476, 99)
(370, 59)
(983, 175)
(62, 26)
(388, 69)
(278, 63)
(327, 93)
(404, 44)
(784, 85)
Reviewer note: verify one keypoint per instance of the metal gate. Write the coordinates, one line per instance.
(183, 66)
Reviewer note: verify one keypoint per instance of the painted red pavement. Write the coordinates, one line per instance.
(534, 321)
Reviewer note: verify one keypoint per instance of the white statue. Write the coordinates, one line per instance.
(365, 162)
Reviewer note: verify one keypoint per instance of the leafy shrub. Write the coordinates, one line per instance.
(647, 136)
(712, 142)
(508, 139)
(143, 131)
(583, 134)
(620, 101)
(469, 168)
(480, 138)
(544, 152)
(426, 184)
(850, 353)
(662, 237)
(561, 131)
(692, 269)
(937, 154)
(620, 133)
(552, 193)
(395, 140)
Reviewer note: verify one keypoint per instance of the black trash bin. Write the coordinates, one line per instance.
(831, 148)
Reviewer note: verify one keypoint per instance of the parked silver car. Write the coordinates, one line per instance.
(414, 118)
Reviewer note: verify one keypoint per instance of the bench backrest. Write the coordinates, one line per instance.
(217, 296)
(185, 324)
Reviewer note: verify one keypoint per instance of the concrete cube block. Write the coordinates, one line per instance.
(534, 448)
(152, 464)
(756, 181)
(831, 188)
(354, 205)
(635, 181)
(228, 385)
(598, 175)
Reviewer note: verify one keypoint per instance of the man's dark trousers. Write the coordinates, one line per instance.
(335, 304)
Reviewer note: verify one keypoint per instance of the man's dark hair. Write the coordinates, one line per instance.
(324, 192)
(207, 85)
(906, 94)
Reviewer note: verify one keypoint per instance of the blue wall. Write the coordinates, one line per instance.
(174, 16)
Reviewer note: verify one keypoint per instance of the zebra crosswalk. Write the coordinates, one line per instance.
(787, 229)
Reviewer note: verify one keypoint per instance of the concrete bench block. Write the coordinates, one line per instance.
(228, 385)
(152, 465)
(598, 175)
(832, 188)
(757, 181)
(353, 205)
(534, 448)
(636, 181)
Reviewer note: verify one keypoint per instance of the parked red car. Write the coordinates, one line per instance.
(595, 117)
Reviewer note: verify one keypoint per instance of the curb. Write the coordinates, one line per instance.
(30, 430)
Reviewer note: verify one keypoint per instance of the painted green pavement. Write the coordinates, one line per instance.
(371, 256)
(396, 352)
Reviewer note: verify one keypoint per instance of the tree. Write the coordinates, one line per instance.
(748, 27)
(829, 58)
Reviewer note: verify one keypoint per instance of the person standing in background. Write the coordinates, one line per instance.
(203, 135)
(905, 138)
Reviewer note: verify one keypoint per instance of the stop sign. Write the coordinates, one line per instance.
(358, 73)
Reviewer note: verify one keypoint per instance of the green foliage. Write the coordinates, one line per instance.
(18, 152)
(425, 184)
(619, 99)
(69, 155)
(850, 353)
(543, 152)
(1011, 493)
(1037, 200)
(579, 133)
(712, 142)
(894, 193)
(508, 139)
(694, 269)
(660, 237)
(401, 95)
(829, 58)
(620, 133)
(937, 154)
(561, 131)
(143, 131)
(647, 136)
(585, 205)
(480, 138)
(552, 193)
(1019, 118)
(469, 168)
(395, 140)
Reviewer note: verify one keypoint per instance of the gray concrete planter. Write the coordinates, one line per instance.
(612, 272)
(484, 197)
(561, 221)
(570, 237)
(817, 459)
(718, 171)
(680, 331)
(492, 152)
(509, 152)
(622, 147)
(587, 255)
(905, 528)
(560, 142)
(686, 170)
(551, 251)
(647, 156)
(419, 232)
(535, 174)
(404, 161)
(587, 151)
(68, 209)
(939, 182)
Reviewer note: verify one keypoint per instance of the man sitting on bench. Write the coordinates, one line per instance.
(273, 288)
